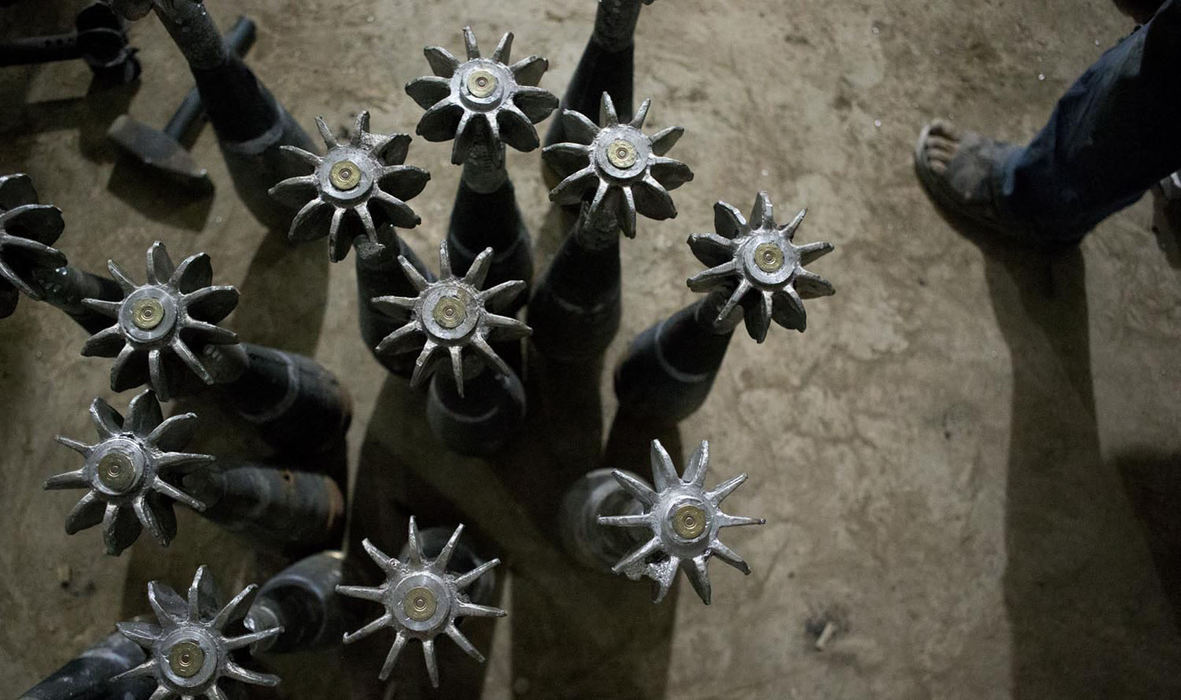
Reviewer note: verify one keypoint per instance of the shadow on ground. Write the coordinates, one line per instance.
(568, 625)
(1075, 557)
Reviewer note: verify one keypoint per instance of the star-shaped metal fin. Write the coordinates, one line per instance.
(685, 520)
(28, 231)
(482, 102)
(189, 648)
(450, 316)
(422, 600)
(617, 168)
(124, 472)
(757, 264)
(357, 188)
(160, 326)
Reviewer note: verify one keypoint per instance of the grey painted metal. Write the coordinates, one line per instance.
(188, 22)
(251, 124)
(592, 545)
(482, 104)
(422, 600)
(138, 468)
(99, 39)
(481, 420)
(615, 23)
(619, 168)
(160, 151)
(449, 316)
(294, 403)
(158, 323)
(190, 649)
(28, 231)
(301, 599)
(354, 189)
(131, 473)
(669, 368)
(30, 265)
(577, 306)
(756, 275)
(758, 260)
(294, 511)
(684, 520)
(87, 676)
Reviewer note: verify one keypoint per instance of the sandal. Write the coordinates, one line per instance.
(959, 179)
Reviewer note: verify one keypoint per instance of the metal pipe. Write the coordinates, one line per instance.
(99, 39)
(65, 287)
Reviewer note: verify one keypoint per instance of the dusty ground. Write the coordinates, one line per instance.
(968, 463)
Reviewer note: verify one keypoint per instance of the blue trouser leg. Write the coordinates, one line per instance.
(1115, 133)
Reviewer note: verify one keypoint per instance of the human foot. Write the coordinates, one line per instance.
(956, 168)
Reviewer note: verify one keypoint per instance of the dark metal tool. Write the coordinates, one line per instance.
(606, 66)
(660, 530)
(756, 274)
(160, 152)
(614, 172)
(192, 648)
(482, 104)
(478, 405)
(356, 195)
(137, 469)
(250, 123)
(164, 333)
(425, 594)
(99, 39)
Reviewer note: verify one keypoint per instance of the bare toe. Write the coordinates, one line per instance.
(955, 167)
(945, 129)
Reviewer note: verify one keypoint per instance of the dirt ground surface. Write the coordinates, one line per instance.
(968, 464)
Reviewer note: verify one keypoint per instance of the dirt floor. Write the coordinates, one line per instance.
(968, 464)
